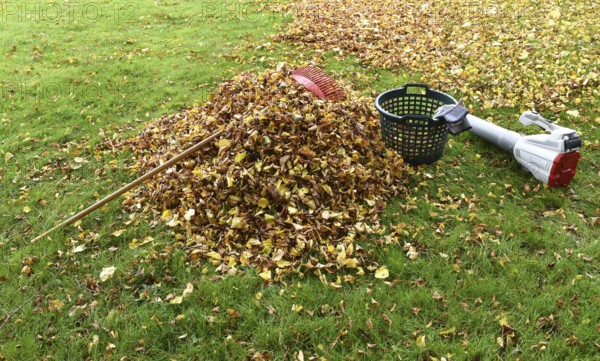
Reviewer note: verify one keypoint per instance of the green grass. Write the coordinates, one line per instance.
(493, 243)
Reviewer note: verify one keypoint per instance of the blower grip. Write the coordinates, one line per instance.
(532, 117)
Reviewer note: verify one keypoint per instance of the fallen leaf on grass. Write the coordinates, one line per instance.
(118, 233)
(26, 271)
(265, 275)
(107, 273)
(79, 249)
(382, 272)
(448, 331)
(55, 306)
(179, 299)
(437, 296)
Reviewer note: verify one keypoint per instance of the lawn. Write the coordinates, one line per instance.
(506, 268)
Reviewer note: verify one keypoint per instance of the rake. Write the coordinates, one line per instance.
(319, 83)
(133, 184)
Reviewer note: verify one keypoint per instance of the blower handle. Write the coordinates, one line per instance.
(533, 117)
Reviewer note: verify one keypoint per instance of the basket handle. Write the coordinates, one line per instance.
(416, 85)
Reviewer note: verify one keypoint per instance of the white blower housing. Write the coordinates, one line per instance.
(551, 158)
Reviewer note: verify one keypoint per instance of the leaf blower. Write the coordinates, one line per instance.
(551, 158)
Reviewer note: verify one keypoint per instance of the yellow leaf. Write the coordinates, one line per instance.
(382, 272)
(8, 156)
(147, 240)
(54, 306)
(117, 233)
(266, 275)
(167, 215)
(232, 262)
(351, 263)
(500, 341)
(573, 113)
(233, 313)
(107, 273)
(448, 331)
(420, 341)
(94, 342)
(133, 244)
(238, 223)
(26, 209)
(297, 308)
(223, 143)
(283, 263)
(555, 14)
(240, 157)
(189, 288)
(263, 203)
(341, 257)
(177, 300)
(214, 255)
(278, 255)
(26, 270)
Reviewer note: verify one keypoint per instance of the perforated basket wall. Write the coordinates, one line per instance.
(407, 125)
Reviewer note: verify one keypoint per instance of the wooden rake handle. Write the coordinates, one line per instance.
(133, 184)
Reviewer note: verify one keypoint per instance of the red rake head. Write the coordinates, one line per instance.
(319, 83)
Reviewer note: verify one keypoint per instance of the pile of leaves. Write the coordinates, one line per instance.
(293, 183)
(520, 53)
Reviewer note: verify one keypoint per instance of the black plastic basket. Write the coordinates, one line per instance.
(407, 125)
